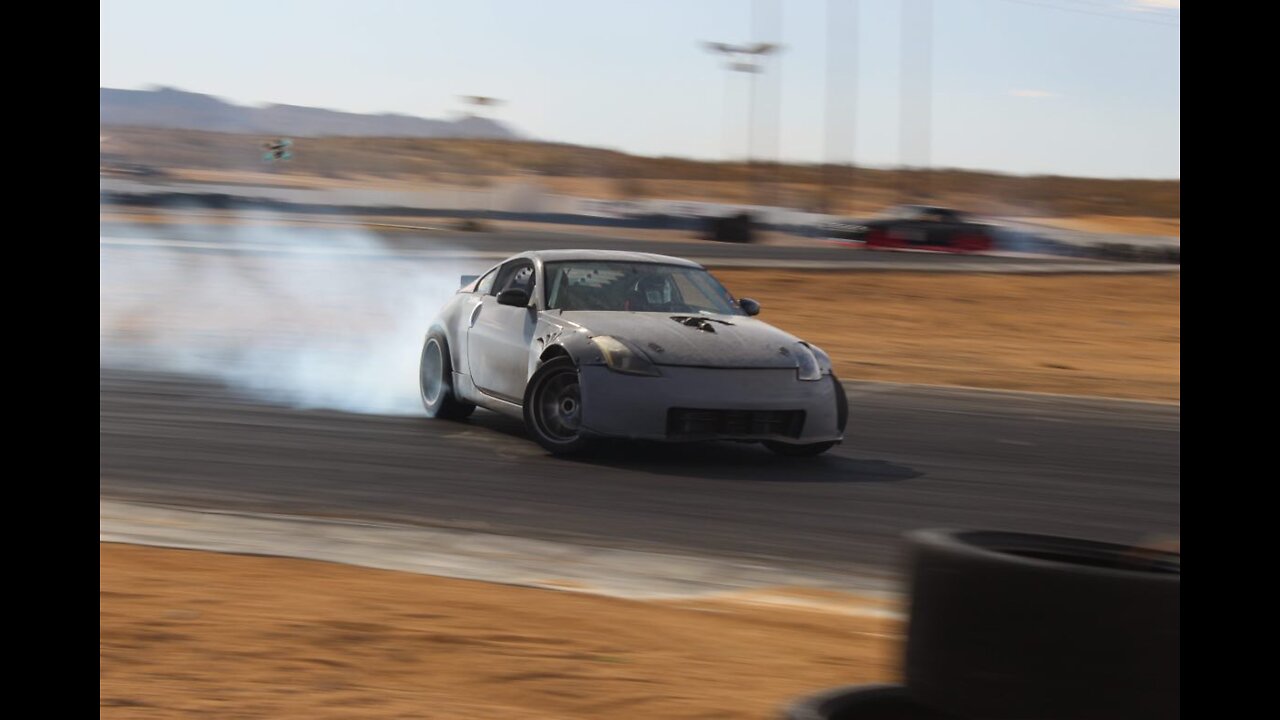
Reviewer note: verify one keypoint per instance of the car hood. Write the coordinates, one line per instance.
(731, 341)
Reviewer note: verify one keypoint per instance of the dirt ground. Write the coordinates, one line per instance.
(190, 634)
(1111, 335)
(1162, 227)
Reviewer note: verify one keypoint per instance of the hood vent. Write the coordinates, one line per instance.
(701, 323)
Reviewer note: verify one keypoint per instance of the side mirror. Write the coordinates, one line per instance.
(515, 297)
(749, 306)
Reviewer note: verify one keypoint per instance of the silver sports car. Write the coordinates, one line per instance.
(586, 344)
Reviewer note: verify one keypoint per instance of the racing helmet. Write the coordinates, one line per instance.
(653, 289)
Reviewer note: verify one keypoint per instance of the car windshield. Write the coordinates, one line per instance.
(921, 212)
(635, 287)
(899, 212)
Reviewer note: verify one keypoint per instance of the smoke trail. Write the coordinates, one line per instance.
(300, 316)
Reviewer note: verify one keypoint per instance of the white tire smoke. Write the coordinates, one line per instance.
(302, 316)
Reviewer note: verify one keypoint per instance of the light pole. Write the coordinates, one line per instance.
(745, 59)
(841, 105)
(480, 101)
(483, 101)
(915, 95)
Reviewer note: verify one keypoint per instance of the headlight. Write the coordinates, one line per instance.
(621, 358)
(807, 367)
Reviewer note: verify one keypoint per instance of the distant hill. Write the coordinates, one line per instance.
(181, 110)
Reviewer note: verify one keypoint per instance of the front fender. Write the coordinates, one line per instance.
(824, 360)
(553, 339)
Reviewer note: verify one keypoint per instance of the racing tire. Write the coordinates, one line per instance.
(862, 702)
(435, 381)
(553, 408)
(1008, 625)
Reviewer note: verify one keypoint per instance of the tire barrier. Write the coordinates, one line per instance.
(863, 702)
(733, 229)
(1010, 626)
(736, 229)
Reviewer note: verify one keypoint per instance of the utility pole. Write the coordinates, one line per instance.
(916, 92)
(842, 93)
(478, 102)
(482, 101)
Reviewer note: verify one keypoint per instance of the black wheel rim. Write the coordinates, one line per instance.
(557, 407)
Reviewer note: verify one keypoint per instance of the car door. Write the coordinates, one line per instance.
(937, 226)
(948, 227)
(909, 230)
(499, 336)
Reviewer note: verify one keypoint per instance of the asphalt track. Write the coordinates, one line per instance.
(915, 457)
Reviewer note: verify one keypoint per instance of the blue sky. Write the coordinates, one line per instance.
(1073, 87)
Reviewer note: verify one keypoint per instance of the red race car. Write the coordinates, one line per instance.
(918, 227)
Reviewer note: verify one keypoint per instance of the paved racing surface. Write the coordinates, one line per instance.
(915, 457)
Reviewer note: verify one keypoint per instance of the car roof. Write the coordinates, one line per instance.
(606, 255)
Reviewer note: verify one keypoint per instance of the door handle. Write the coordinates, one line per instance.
(475, 313)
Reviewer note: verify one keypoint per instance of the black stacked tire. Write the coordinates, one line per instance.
(733, 229)
(1006, 625)
(862, 702)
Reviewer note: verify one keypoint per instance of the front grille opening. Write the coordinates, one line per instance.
(690, 422)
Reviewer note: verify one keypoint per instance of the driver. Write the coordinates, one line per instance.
(650, 292)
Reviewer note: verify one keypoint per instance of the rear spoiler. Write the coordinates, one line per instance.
(468, 280)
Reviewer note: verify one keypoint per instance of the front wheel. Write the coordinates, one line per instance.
(553, 408)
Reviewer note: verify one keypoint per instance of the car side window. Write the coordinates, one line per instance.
(516, 275)
(504, 276)
(485, 286)
(522, 279)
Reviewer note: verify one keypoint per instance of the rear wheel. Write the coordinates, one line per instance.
(553, 408)
(435, 381)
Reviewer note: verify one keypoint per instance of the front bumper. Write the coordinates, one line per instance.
(688, 404)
